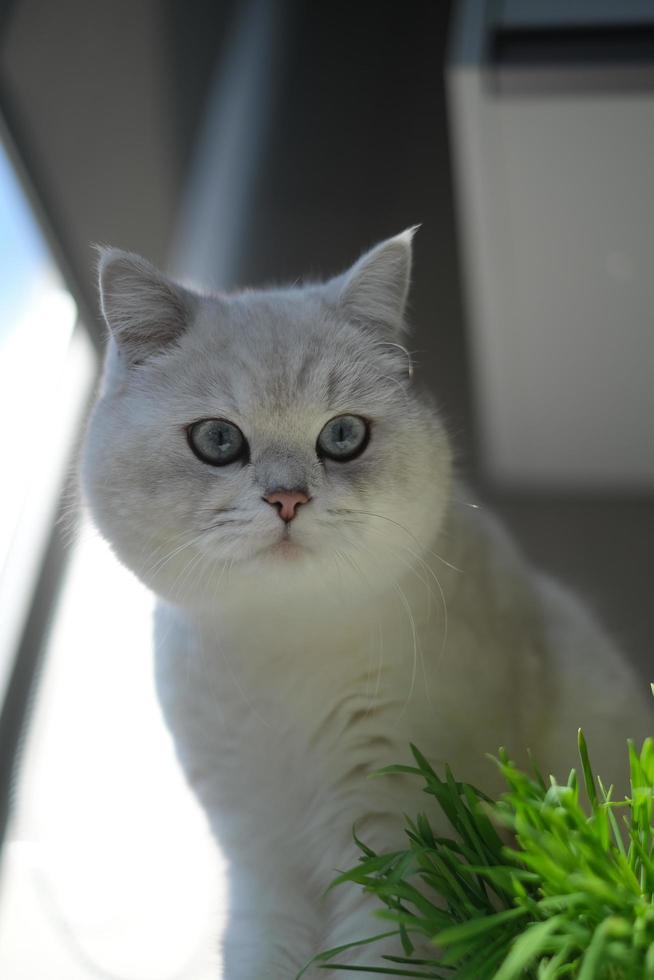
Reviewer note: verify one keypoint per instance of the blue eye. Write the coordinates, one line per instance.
(343, 438)
(217, 441)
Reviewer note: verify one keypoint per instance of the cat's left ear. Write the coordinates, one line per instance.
(374, 291)
(145, 311)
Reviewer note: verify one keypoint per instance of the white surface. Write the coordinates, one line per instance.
(109, 869)
(557, 219)
(46, 370)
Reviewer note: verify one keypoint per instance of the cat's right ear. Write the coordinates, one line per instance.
(145, 311)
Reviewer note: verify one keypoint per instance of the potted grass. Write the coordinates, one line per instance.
(570, 897)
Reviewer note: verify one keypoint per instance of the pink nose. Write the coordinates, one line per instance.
(287, 502)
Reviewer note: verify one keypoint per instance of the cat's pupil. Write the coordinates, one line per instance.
(223, 439)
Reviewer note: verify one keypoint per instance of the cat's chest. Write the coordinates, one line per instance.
(286, 671)
(280, 690)
(328, 685)
(315, 702)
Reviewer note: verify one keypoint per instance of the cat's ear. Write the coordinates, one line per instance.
(374, 291)
(143, 309)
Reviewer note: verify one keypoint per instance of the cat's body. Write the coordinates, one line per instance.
(296, 656)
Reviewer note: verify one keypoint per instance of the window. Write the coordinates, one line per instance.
(89, 882)
(46, 368)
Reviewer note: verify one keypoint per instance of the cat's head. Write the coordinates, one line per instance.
(269, 439)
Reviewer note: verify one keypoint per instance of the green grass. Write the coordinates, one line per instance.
(571, 897)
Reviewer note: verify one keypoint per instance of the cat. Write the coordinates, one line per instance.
(266, 464)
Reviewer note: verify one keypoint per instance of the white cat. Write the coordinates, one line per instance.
(264, 463)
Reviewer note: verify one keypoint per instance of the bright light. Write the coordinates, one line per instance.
(45, 375)
(108, 845)
(31, 362)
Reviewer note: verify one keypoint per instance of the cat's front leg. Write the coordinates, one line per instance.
(273, 927)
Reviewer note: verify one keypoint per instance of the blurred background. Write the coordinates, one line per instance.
(248, 141)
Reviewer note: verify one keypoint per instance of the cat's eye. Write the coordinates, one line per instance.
(343, 438)
(217, 441)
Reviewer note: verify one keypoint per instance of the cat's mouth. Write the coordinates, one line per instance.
(286, 548)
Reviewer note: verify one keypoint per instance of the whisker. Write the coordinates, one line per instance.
(339, 559)
(412, 568)
(223, 521)
(417, 649)
(195, 579)
(383, 517)
(176, 551)
(216, 587)
(414, 669)
(160, 552)
(184, 574)
(372, 697)
(407, 353)
(379, 669)
(467, 503)
(441, 593)
(443, 603)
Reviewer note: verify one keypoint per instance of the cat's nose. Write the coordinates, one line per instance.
(287, 502)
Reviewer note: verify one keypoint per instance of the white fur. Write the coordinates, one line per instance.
(403, 615)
